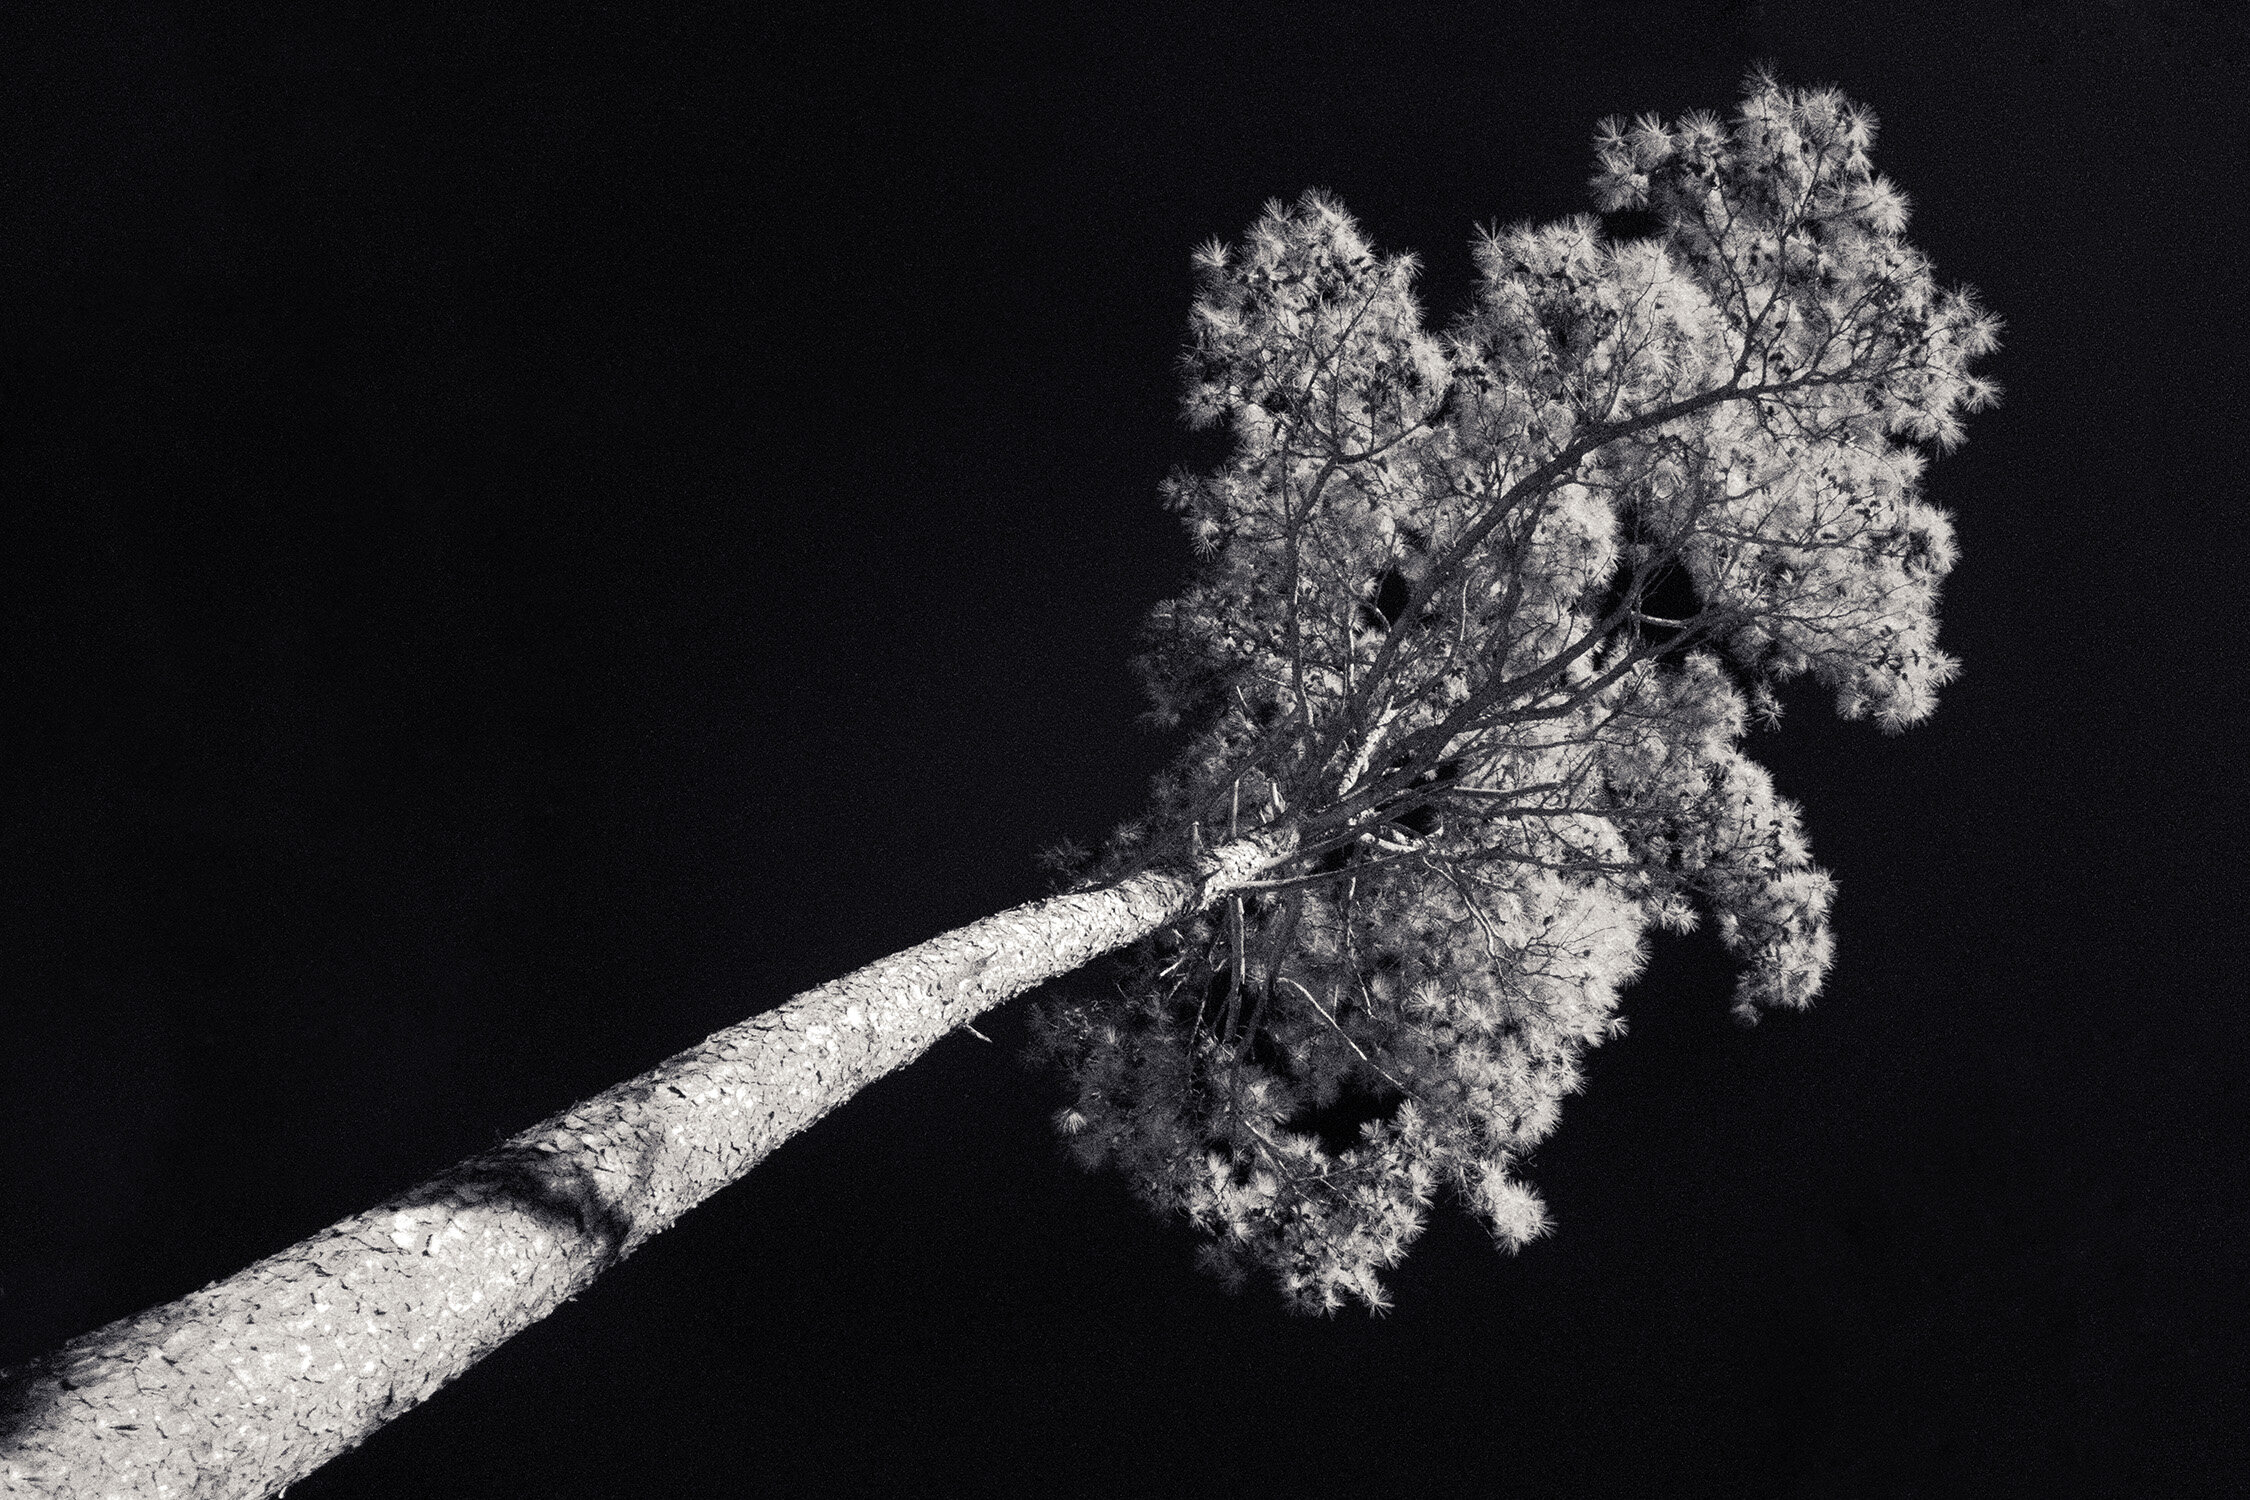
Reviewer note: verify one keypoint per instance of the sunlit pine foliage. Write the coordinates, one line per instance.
(1485, 617)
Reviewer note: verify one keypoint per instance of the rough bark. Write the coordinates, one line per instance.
(250, 1384)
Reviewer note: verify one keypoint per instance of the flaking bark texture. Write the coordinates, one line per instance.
(250, 1384)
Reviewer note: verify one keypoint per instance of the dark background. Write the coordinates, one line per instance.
(531, 535)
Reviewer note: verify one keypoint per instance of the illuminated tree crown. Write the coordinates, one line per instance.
(1481, 620)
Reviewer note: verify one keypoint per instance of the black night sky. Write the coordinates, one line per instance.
(532, 534)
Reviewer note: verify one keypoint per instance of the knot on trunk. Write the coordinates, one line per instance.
(1222, 869)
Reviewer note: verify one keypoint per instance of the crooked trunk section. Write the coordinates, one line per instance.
(253, 1382)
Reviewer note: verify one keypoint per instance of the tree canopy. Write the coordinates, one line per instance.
(1484, 618)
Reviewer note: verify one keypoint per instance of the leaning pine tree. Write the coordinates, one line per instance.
(1479, 627)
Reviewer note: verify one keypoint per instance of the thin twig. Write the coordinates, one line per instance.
(1347, 1036)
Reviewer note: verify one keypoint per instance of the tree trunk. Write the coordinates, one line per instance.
(252, 1383)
